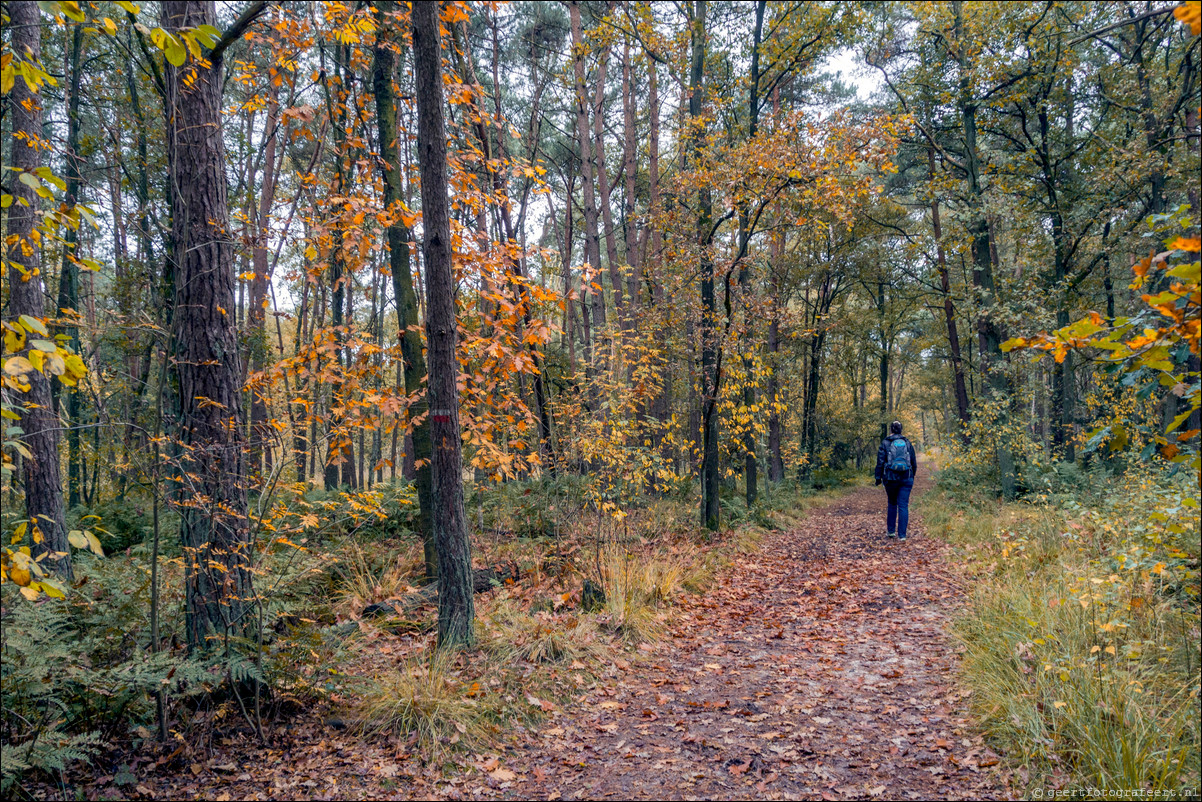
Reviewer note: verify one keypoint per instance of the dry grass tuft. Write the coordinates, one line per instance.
(541, 637)
(424, 700)
(364, 580)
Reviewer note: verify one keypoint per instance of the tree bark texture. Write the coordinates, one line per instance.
(456, 606)
(212, 478)
(41, 473)
(592, 242)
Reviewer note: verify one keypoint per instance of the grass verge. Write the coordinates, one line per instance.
(1081, 632)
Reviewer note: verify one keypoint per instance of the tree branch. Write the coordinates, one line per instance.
(1146, 15)
(235, 31)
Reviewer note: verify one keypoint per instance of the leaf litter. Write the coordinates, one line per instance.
(817, 667)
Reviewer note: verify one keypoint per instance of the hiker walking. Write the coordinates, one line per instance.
(896, 465)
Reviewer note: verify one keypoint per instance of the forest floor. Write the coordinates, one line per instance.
(818, 667)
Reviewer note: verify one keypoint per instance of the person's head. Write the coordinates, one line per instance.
(895, 427)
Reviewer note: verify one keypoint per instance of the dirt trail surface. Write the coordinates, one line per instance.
(818, 668)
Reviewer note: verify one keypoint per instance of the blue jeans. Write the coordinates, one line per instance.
(898, 517)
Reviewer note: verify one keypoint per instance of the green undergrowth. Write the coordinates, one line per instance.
(1081, 631)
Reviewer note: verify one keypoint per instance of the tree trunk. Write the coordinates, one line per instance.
(456, 611)
(340, 452)
(776, 464)
(630, 170)
(592, 243)
(68, 285)
(41, 472)
(750, 466)
(399, 239)
(262, 434)
(949, 309)
(607, 219)
(662, 402)
(709, 312)
(990, 338)
(212, 493)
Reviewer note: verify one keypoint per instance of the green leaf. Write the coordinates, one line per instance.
(30, 180)
(46, 174)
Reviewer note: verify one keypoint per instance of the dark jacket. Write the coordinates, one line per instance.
(882, 455)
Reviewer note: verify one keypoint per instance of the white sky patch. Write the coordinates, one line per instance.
(854, 72)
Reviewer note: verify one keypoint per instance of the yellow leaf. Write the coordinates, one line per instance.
(94, 543)
(14, 339)
(21, 576)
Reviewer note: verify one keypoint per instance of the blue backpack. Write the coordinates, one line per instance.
(897, 459)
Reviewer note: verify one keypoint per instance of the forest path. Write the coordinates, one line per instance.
(817, 668)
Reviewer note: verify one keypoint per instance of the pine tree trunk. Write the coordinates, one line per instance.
(212, 483)
(40, 472)
(262, 434)
(456, 606)
(630, 171)
(607, 219)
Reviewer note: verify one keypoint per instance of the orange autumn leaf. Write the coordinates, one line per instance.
(1190, 13)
